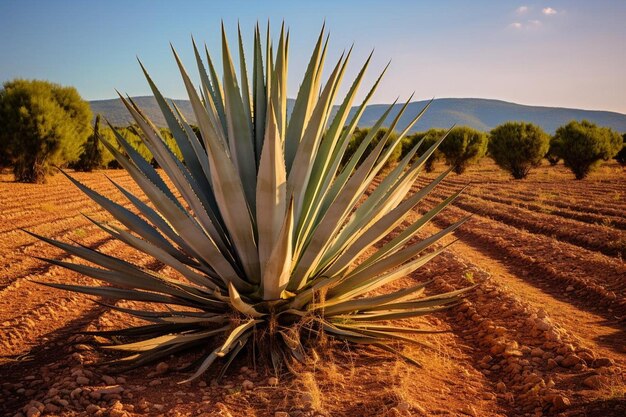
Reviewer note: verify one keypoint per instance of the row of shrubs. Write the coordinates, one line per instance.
(46, 125)
(516, 147)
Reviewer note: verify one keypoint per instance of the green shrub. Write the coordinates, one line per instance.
(462, 147)
(582, 145)
(133, 137)
(92, 156)
(171, 142)
(409, 141)
(621, 155)
(430, 137)
(517, 147)
(360, 134)
(43, 125)
(106, 133)
(553, 154)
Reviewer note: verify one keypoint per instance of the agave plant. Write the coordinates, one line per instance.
(266, 231)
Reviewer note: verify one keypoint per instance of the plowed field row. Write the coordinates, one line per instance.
(592, 276)
(604, 239)
(543, 334)
(515, 343)
(612, 207)
(547, 259)
(552, 186)
(615, 220)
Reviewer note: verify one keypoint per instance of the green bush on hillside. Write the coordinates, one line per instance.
(582, 145)
(517, 147)
(43, 125)
(462, 147)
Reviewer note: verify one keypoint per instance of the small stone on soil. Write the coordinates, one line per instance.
(162, 367)
(109, 380)
(403, 406)
(560, 402)
(570, 361)
(594, 381)
(602, 362)
(33, 412)
(81, 380)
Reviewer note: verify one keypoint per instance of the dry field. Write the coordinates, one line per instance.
(544, 335)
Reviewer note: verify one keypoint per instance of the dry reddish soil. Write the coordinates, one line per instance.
(544, 334)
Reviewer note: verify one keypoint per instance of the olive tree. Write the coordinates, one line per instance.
(582, 145)
(43, 125)
(517, 147)
(462, 147)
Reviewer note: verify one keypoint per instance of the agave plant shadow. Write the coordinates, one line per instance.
(269, 234)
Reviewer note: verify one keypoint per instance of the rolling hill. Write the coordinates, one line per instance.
(482, 114)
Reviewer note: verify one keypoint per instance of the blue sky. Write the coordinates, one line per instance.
(552, 53)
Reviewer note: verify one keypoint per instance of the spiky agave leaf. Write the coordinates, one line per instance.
(268, 234)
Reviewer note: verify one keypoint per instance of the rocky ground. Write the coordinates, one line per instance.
(543, 335)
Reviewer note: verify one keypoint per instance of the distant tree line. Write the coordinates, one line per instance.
(516, 147)
(45, 125)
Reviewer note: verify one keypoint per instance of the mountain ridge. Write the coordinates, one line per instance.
(480, 113)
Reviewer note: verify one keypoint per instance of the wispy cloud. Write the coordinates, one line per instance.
(527, 25)
(531, 18)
